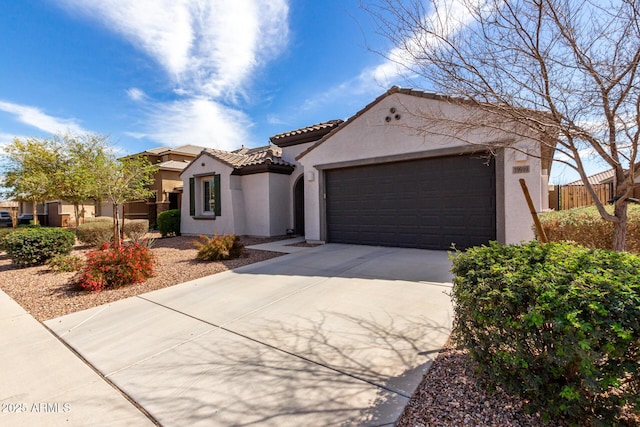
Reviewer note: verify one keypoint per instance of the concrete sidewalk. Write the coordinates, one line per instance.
(43, 383)
(330, 335)
(284, 246)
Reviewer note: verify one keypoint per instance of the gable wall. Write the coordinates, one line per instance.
(370, 139)
(202, 224)
(254, 205)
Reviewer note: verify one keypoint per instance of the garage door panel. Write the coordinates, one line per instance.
(425, 203)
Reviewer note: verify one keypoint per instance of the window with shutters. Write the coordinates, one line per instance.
(207, 190)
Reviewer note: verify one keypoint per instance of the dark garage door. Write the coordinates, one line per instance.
(427, 203)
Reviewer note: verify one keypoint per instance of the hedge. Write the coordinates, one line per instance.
(95, 233)
(586, 227)
(558, 325)
(99, 232)
(169, 223)
(35, 246)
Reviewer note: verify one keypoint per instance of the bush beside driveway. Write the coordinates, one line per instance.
(46, 294)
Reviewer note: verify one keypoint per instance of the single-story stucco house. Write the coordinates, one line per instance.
(372, 179)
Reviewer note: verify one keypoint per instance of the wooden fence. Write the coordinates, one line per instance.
(574, 196)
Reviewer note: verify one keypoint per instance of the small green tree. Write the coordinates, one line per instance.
(126, 180)
(84, 160)
(30, 168)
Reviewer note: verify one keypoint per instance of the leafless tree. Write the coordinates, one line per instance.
(565, 70)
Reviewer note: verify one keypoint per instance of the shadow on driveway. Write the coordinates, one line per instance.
(333, 335)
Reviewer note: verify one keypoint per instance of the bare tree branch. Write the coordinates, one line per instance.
(564, 70)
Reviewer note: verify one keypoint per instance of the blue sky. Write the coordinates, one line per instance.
(155, 73)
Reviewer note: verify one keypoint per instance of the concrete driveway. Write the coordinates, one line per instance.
(332, 335)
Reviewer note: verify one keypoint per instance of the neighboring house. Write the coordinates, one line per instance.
(11, 207)
(371, 180)
(57, 213)
(8, 205)
(635, 193)
(575, 194)
(167, 185)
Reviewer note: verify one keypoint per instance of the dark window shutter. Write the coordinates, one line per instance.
(192, 196)
(218, 210)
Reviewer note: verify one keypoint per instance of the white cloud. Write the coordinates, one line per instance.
(273, 119)
(198, 121)
(35, 117)
(136, 94)
(446, 18)
(209, 48)
(6, 138)
(451, 16)
(136, 135)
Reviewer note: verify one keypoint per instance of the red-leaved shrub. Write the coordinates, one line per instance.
(114, 266)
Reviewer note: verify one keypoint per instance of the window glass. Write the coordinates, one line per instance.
(209, 204)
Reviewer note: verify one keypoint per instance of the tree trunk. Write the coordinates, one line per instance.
(124, 214)
(116, 225)
(76, 211)
(620, 227)
(35, 213)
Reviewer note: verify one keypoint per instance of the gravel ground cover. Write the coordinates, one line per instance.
(46, 294)
(449, 395)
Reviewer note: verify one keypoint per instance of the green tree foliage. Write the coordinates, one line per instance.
(30, 170)
(83, 161)
(125, 180)
(75, 169)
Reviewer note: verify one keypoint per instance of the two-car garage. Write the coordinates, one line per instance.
(428, 203)
(422, 170)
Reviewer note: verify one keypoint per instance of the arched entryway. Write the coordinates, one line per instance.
(298, 206)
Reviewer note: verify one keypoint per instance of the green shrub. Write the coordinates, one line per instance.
(34, 246)
(95, 233)
(136, 229)
(65, 263)
(99, 219)
(586, 227)
(558, 325)
(218, 247)
(169, 223)
(4, 232)
(116, 266)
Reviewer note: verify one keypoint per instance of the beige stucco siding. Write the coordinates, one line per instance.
(203, 222)
(254, 204)
(370, 139)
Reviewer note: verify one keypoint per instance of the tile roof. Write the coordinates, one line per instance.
(604, 177)
(242, 157)
(318, 126)
(188, 149)
(156, 151)
(185, 149)
(305, 134)
(173, 165)
(597, 178)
